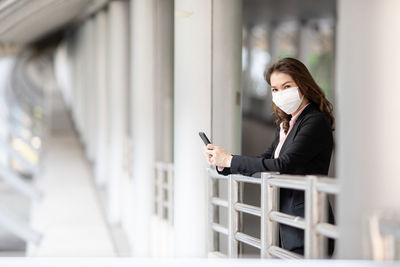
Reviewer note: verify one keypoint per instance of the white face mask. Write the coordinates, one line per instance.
(287, 100)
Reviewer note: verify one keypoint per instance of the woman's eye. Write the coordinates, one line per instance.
(287, 86)
(274, 90)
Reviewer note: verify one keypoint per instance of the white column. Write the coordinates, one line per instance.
(143, 135)
(91, 90)
(79, 74)
(367, 110)
(164, 76)
(227, 74)
(200, 28)
(118, 82)
(102, 99)
(85, 89)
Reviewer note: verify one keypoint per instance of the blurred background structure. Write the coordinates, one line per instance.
(101, 104)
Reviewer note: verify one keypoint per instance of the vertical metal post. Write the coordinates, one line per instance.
(233, 217)
(269, 228)
(212, 214)
(274, 193)
(397, 249)
(159, 192)
(171, 194)
(322, 217)
(240, 216)
(311, 220)
(265, 236)
(155, 190)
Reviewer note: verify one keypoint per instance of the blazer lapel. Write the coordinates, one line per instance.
(292, 132)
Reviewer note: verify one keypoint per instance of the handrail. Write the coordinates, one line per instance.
(18, 227)
(315, 229)
(215, 175)
(384, 231)
(246, 179)
(19, 184)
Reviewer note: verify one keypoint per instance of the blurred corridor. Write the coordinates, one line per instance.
(70, 212)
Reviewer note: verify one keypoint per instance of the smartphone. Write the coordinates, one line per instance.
(204, 137)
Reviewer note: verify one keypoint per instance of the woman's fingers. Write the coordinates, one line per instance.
(208, 157)
(215, 155)
(209, 152)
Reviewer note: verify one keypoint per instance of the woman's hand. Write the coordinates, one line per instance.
(217, 156)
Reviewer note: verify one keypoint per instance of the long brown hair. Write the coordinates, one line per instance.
(307, 86)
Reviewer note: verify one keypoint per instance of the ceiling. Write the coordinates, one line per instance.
(26, 21)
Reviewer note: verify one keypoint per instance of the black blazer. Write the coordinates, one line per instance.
(306, 150)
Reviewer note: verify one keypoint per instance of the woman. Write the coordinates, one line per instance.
(303, 141)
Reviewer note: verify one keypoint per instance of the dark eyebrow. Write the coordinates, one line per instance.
(283, 84)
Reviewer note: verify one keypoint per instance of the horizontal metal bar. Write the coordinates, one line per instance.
(283, 253)
(249, 240)
(20, 184)
(219, 228)
(165, 204)
(287, 219)
(219, 202)
(246, 179)
(249, 209)
(328, 185)
(327, 229)
(216, 254)
(289, 176)
(215, 175)
(165, 186)
(18, 227)
(288, 182)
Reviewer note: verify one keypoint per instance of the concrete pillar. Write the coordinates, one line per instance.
(90, 90)
(207, 80)
(303, 41)
(85, 85)
(102, 98)
(73, 41)
(164, 81)
(118, 83)
(142, 121)
(273, 41)
(79, 76)
(227, 74)
(368, 57)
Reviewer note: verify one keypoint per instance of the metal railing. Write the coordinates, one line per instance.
(18, 227)
(22, 116)
(384, 227)
(164, 191)
(314, 225)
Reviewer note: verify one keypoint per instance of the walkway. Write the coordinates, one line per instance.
(70, 216)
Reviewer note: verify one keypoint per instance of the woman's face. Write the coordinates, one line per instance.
(281, 81)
